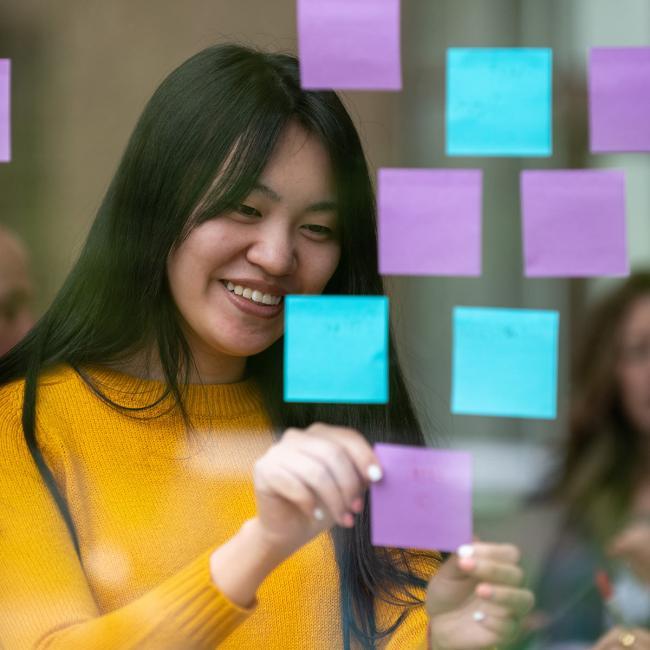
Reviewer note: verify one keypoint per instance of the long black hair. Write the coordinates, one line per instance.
(218, 116)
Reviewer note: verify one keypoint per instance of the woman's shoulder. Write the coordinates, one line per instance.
(59, 387)
(54, 377)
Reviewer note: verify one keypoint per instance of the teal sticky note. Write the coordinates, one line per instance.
(499, 102)
(505, 362)
(336, 349)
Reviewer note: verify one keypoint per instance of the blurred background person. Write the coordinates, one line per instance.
(15, 291)
(597, 573)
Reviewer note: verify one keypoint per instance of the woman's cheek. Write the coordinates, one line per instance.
(328, 265)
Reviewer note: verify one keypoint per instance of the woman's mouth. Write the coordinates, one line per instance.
(253, 301)
(254, 295)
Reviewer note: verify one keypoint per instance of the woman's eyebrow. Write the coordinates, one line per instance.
(323, 206)
(264, 189)
(320, 206)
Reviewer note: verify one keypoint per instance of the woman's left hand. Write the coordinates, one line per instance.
(476, 600)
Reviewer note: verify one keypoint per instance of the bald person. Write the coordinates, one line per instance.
(15, 291)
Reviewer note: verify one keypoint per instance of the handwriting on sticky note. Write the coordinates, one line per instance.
(424, 499)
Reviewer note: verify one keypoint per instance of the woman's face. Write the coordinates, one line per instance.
(228, 278)
(633, 369)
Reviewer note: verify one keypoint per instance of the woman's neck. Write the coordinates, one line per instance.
(146, 364)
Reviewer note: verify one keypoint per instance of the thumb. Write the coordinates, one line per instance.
(459, 563)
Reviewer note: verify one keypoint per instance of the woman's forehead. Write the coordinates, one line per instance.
(299, 163)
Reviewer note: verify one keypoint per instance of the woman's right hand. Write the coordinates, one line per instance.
(310, 480)
(305, 483)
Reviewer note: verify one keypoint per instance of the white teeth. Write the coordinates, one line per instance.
(253, 294)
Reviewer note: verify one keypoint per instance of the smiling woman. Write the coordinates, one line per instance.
(156, 491)
(229, 275)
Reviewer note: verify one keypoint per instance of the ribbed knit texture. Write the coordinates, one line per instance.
(150, 503)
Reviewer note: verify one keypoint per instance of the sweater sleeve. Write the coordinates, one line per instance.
(45, 599)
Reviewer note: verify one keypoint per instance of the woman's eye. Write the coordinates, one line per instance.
(248, 210)
(317, 229)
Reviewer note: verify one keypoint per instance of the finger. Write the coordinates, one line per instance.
(508, 553)
(358, 448)
(335, 457)
(642, 638)
(504, 627)
(452, 567)
(492, 617)
(458, 629)
(517, 601)
(499, 573)
(280, 482)
(614, 639)
(315, 474)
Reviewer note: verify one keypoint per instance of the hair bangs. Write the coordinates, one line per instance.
(240, 170)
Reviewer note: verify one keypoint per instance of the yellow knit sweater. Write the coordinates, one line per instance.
(149, 505)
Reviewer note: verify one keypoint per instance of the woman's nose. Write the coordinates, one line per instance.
(274, 252)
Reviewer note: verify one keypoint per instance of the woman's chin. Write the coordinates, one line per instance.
(244, 348)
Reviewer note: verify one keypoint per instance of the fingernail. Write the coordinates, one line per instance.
(465, 550)
(467, 563)
(484, 591)
(357, 504)
(375, 473)
(348, 520)
(319, 515)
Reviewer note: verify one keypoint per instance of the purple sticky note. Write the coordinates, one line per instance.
(5, 110)
(424, 499)
(574, 223)
(429, 221)
(619, 97)
(349, 45)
